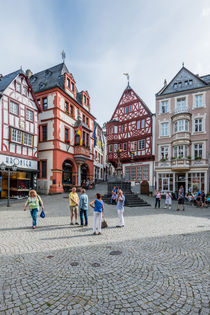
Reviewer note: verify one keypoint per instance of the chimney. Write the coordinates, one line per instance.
(165, 82)
(29, 73)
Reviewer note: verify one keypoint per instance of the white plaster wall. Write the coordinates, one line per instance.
(68, 119)
(62, 102)
(50, 100)
(6, 132)
(12, 147)
(44, 184)
(24, 151)
(45, 115)
(46, 145)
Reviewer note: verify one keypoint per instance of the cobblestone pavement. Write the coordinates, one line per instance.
(157, 264)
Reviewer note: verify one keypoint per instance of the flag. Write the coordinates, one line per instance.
(94, 136)
(79, 132)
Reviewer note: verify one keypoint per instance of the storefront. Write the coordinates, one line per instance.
(21, 180)
(191, 181)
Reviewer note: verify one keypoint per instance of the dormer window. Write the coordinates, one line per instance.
(72, 86)
(68, 83)
(18, 87)
(84, 99)
(190, 82)
(87, 101)
(175, 85)
(41, 85)
(180, 84)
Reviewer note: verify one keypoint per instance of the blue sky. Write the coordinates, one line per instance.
(149, 39)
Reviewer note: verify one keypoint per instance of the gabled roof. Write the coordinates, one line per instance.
(49, 78)
(7, 79)
(184, 80)
(128, 88)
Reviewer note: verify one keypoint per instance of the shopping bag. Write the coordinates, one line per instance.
(42, 214)
(104, 224)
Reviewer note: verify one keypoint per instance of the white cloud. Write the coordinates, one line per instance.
(206, 12)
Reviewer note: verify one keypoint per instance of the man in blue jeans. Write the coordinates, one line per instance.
(83, 207)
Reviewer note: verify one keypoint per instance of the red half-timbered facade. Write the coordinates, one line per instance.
(130, 132)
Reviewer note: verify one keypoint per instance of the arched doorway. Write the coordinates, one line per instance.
(84, 172)
(67, 178)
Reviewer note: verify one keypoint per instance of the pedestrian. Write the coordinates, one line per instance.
(120, 208)
(114, 194)
(203, 200)
(157, 198)
(34, 202)
(73, 203)
(83, 207)
(168, 201)
(180, 198)
(98, 207)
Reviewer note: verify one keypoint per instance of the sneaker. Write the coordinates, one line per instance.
(81, 224)
(76, 223)
(118, 226)
(86, 224)
(94, 233)
(71, 223)
(177, 209)
(99, 233)
(33, 227)
(122, 225)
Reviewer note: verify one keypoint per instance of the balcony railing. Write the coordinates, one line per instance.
(182, 110)
(181, 163)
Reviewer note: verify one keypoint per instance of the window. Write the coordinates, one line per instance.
(38, 101)
(16, 135)
(13, 108)
(126, 109)
(110, 130)
(68, 83)
(18, 87)
(165, 184)
(130, 108)
(115, 147)
(44, 103)
(143, 123)
(164, 152)
(29, 115)
(115, 129)
(175, 85)
(87, 140)
(43, 133)
(110, 148)
(180, 151)
(71, 110)
(87, 101)
(27, 139)
(42, 169)
(137, 173)
(84, 99)
(181, 104)
(83, 137)
(199, 100)
(66, 134)
(124, 146)
(67, 107)
(164, 107)
(141, 144)
(120, 146)
(87, 121)
(83, 118)
(164, 129)
(72, 86)
(180, 84)
(190, 82)
(181, 125)
(198, 150)
(25, 90)
(138, 124)
(198, 125)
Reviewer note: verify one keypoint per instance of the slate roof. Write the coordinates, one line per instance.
(49, 78)
(181, 81)
(7, 79)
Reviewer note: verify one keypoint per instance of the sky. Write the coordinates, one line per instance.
(102, 39)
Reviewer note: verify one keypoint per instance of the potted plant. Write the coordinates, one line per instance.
(173, 158)
(189, 157)
(197, 157)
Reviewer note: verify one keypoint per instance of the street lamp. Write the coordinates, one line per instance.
(3, 167)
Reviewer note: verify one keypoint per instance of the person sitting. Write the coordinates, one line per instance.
(87, 183)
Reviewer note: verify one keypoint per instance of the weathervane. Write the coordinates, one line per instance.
(127, 75)
(182, 64)
(63, 55)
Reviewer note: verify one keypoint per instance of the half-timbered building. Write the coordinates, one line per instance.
(18, 133)
(65, 130)
(129, 133)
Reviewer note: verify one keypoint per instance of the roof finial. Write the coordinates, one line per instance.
(182, 64)
(63, 55)
(127, 75)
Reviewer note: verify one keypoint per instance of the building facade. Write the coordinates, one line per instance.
(18, 134)
(65, 130)
(99, 163)
(129, 135)
(183, 133)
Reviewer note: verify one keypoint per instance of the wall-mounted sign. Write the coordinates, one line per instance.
(19, 162)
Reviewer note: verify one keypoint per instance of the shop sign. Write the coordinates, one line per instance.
(19, 162)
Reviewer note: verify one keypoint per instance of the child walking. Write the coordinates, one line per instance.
(168, 201)
(98, 207)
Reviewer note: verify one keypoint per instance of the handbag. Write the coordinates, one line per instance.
(104, 224)
(42, 214)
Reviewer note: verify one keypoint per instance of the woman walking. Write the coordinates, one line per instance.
(98, 207)
(34, 201)
(157, 198)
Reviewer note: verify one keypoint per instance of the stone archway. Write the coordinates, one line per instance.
(84, 172)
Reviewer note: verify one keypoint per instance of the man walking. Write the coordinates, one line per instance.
(83, 207)
(74, 202)
(120, 208)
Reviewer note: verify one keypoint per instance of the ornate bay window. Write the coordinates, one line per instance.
(180, 151)
(181, 125)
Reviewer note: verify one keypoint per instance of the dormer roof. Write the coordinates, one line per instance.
(7, 79)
